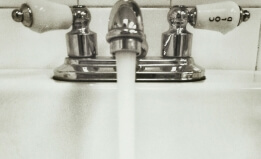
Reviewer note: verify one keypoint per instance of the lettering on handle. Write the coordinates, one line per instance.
(219, 19)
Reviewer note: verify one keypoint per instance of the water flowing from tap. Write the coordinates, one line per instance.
(126, 71)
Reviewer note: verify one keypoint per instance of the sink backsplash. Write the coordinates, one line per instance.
(239, 49)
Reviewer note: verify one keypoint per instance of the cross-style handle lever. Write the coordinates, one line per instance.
(42, 16)
(222, 16)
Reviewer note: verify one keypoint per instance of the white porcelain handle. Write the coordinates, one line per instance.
(222, 16)
(49, 15)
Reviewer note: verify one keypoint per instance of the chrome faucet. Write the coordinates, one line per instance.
(126, 31)
(126, 34)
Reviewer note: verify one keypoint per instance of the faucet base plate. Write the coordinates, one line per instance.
(149, 69)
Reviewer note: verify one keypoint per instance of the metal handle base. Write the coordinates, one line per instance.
(150, 69)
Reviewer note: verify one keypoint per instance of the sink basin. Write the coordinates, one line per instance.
(46, 119)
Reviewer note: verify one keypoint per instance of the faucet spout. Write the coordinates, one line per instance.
(126, 31)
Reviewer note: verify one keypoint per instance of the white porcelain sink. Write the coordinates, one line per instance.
(219, 118)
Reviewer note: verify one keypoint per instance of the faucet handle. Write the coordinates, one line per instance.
(81, 41)
(221, 16)
(42, 16)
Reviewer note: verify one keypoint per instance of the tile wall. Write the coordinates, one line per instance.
(239, 49)
(143, 3)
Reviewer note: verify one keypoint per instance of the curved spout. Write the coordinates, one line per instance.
(126, 32)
